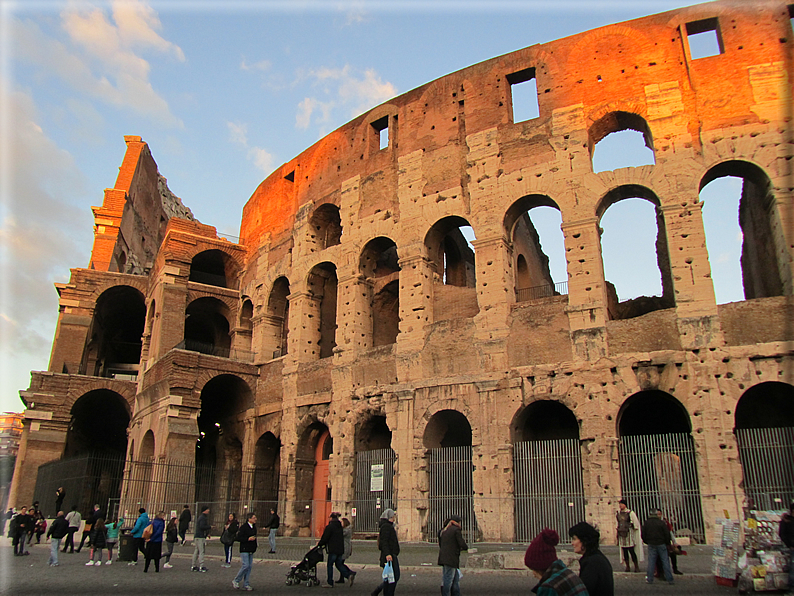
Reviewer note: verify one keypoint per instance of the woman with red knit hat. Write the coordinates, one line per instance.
(555, 578)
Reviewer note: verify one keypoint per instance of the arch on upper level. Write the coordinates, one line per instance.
(325, 228)
(214, 267)
(379, 266)
(623, 149)
(615, 241)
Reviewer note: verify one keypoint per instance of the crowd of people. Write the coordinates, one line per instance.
(554, 578)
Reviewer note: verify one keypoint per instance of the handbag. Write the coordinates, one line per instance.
(147, 532)
(388, 573)
(227, 538)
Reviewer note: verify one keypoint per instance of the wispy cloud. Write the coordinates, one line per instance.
(343, 93)
(263, 65)
(101, 58)
(261, 158)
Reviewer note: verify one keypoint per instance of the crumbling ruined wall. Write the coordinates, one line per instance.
(468, 342)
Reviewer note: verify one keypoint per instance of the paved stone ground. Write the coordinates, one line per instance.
(420, 575)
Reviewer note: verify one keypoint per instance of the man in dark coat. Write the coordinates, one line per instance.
(60, 495)
(333, 539)
(595, 570)
(450, 543)
(58, 529)
(656, 535)
(389, 548)
(247, 537)
(184, 522)
(20, 524)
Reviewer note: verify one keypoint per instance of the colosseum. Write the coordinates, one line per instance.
(354, 351)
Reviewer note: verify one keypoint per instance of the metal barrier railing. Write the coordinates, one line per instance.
(544, 291)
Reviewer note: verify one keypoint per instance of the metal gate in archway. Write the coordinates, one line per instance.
(374, 487)
(548, 487)
(661, 471)
(451, 490)
(766, 455)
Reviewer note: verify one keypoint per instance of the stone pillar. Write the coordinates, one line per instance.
(410, 477)
(587, 295)
(416, 311)
(304, 321)
(354, 330)
(495, 295)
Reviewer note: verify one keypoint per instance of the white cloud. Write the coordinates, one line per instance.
(346, 94)
(99, 59)
(261, 65)
(261, 158)
(40, 190)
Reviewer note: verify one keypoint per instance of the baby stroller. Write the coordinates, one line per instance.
(306, 570)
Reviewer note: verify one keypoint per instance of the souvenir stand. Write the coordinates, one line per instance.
(764, 565)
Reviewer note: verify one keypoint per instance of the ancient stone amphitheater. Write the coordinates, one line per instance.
(353, 350)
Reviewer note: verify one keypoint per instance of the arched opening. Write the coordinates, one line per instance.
(764, 430)
(452, 262)
(312, 488)
(658, 467)
(744, 234)
(323, 287)
(547, 465)
(214, 268)
(207, 327)
(147, 447)
(98, 425)
(379, 266)
(621, 140)
(276, 319)
(325, 228)
(634, 252)
(374, 481)
(447, 438)
(114, 347)
(267, 463)
(533, 223)
(219, 451)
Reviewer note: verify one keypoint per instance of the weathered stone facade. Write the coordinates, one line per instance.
(352, 297)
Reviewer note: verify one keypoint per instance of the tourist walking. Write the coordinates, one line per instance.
(595, 570)
(75, 519)
(89, 524)
(347, 533)
(554, 578)
(171, 538)
(137, 535)
(450, 543)
(657, 536)
(333, 539)
(184, 522)
(200, 534)
(628, 535)
(389, 548)
(154, 545)
(20, 525)
(672, 552)
(58, 529)
(99, 540)
(247, 537)
(113, 537)
(786, 531)
(228, 537)
(273, 524)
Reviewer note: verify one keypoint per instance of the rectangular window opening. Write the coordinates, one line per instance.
(704, 38)
(791, 16)
(381, 127)
(524, 95)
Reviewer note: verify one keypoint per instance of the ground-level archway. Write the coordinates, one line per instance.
(658, 467)
(765, 436)
(547, 470)
(374, 483)
(447, 438)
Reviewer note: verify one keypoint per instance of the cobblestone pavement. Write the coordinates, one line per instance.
(420, 575)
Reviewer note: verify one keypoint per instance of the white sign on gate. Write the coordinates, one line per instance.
(376, 477)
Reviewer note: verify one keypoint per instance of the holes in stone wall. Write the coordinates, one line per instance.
(524, 95)
(704, 38)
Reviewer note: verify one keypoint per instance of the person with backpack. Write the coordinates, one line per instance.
(154, 542)
(137, 534)
(228, 536)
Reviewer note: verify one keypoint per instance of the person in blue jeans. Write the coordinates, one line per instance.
(333, 539)
(656, 535)
(247, 537)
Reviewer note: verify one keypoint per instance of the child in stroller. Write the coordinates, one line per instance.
(306, 570)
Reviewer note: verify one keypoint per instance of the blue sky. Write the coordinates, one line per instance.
(223, 93)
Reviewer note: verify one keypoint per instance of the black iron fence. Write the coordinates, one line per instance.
(544, 291)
